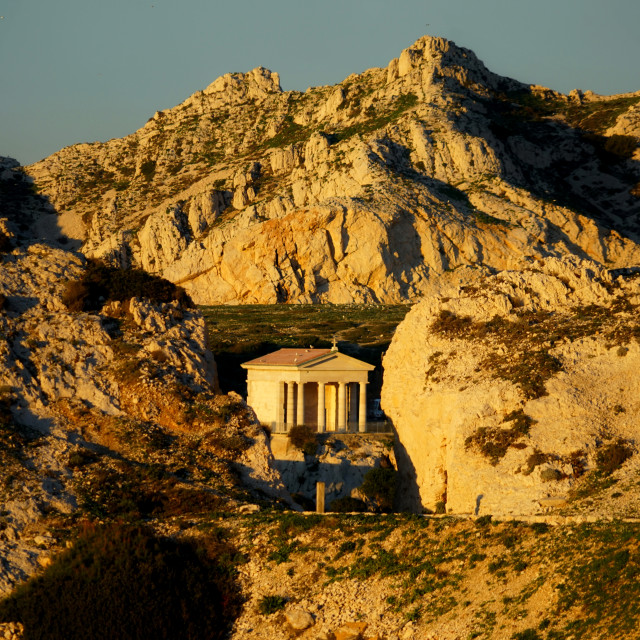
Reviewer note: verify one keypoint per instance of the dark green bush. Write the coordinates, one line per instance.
(101, 284)
(379, 485)
(347, 505)
(121, 582)
(5, 243)
(148, 169)
(270, 604)
(306, 503)
(611, 457)
(303, 437)
(527, 634)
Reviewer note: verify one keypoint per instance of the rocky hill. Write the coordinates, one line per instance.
(516, 394)
(108, 400)
(361, 191)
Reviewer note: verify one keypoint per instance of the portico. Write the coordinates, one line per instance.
(322, 388)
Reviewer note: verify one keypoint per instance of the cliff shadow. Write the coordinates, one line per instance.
(407, 491)
(31, 217)
(557, 151)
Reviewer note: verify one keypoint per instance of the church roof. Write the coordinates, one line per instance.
(289, 356)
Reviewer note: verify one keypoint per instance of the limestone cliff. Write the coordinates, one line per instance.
(506, 392)
(358, 192)
(107, 412)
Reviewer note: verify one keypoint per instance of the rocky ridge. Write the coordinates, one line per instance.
(516, 394)
(358, 192)
(109, 412)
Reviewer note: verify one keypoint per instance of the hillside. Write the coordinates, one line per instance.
(109, 402)
(359, 192)
(517, 394)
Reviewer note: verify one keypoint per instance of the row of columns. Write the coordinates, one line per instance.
(299, 406)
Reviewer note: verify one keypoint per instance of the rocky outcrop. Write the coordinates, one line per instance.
(505, 391)
(360, 192)
(95, 400)
(341, 462)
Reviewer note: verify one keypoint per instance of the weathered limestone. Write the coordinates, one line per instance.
(440, 390)
(362, 192)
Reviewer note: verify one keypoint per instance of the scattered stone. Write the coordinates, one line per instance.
(299, 619)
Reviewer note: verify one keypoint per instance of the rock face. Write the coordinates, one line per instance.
(340, 462)
(504, 392)
(360, 192)
(91, 401)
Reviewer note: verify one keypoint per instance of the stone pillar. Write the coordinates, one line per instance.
(290, 405)
(362, 408)
(300, 419)
(353, 406)
(322, 425)
(320, 493)
(280, 407)
(342, 406)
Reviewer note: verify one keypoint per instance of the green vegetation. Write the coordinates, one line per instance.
(121, 582)
(243, 332)
(304, 438)
(148, 169)
(270, 604)
(403, 103)
(290, 133)
(593, 568)
(379, 486)
(101, 284)
(493, 443)
(611, 457)
(595, 116)
(526, 337)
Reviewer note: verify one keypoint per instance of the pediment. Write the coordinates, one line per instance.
(336, 361)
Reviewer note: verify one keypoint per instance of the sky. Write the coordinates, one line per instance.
(85, 70)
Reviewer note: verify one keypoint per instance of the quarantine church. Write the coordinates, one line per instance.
(321, 388)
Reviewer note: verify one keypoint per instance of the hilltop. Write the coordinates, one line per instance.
(358, 192)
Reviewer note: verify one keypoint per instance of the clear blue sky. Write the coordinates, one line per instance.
(82, 70)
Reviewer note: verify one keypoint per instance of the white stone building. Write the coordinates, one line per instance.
(322, 388)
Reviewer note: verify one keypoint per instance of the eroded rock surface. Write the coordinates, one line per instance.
(506, 391)
(361, 192)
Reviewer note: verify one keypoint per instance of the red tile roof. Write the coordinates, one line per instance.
(290, 356)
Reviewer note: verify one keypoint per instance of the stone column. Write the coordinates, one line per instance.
(290, 405)
(362, 408)
(300, 419)
(353, 406)
(322, 425)
(280, 407)
(342, 406)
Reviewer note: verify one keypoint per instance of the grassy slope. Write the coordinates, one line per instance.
(477, 579)
(240, 333)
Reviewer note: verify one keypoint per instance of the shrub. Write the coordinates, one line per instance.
(101, 284)
(5, 243)
(527, 634)
(621, 146)
(148, 169)
(379, 485)
(611, 457)
(347, 505)
(122, 582)
(306, 503)
(270, 604)
(303, 437)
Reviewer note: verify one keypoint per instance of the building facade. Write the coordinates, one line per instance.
(322, 388)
